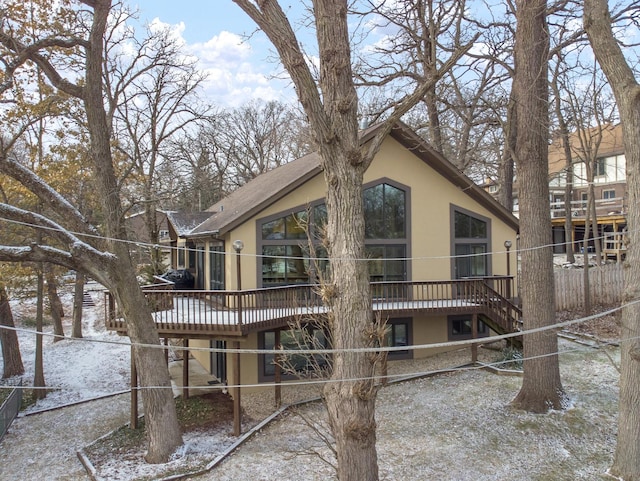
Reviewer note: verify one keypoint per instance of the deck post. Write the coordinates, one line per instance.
(278, 371)
(166, 350)
(474, 335)
(185, 370)
(237, 406)
(133, 423)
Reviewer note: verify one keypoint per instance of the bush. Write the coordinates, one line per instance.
(510, 358)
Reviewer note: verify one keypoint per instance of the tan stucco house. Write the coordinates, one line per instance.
(436, 253)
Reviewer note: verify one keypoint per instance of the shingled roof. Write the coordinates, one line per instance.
(262, 191)
(611, 143)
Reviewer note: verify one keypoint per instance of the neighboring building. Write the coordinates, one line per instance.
(138, 232)
(610, 188)
(435, 242)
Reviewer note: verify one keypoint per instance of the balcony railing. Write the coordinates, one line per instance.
(604, 207)
(206, 313)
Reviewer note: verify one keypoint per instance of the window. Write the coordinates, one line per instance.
(468, 227)
(608, 194)
(216, 267)
(600, 167)
(399, 334)
(284, 264)
(387, 262)
(285, 243)
(384, 211)
(285, 246)
(460, 328)
(471, 238)
(584, 197)
(309, 337)
(180, 257)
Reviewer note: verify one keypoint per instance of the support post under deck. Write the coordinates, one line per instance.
(185, 370)
(277, 371)
(474, 335)
(237, 406)
(134, 391)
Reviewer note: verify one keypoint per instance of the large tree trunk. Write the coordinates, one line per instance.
(55, 304)
(541, 387)
(505, 195)
(350, 404)
(626, 89)
(163, 429)
(11, 357)
(78, 299)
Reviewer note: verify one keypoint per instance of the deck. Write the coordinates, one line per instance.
(211, 314)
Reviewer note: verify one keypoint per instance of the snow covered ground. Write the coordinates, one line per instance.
(454, 426)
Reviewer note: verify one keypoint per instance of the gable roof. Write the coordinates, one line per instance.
(185, 222)
(262, 191)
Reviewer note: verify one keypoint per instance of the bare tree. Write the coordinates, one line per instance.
(626, 89)
(541, 387)
(331, 107)
(255, 138)
(108, 260)
(153, 100)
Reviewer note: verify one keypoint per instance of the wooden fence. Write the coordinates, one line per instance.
(9, 409)
(605, 285)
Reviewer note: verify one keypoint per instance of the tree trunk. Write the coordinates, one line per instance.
(161, 422)
(350, 404)
(38, 378)
(55, 305)
(597, 21)
(505, 196)
(78, 299)
(163, 429)
(11, 357)
(541, 387)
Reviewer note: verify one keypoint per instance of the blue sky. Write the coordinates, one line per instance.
(215, 32)
(202, 18)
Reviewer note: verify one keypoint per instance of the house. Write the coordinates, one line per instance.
(137, 229)
(436, 252)
(604, 147)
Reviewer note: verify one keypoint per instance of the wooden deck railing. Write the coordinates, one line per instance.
(200, 312)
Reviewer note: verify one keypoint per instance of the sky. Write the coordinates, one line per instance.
(216, 32)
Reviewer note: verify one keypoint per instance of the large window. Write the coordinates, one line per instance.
(384, 211)
(471, 239)
(308, 337)
(460, 327)
(286, 248)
